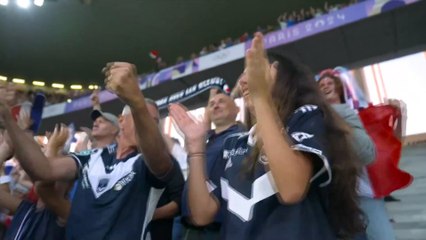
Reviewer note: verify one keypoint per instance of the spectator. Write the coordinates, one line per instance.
(222, 44)
(282, 21)
(244, 37)
(377, 219)
(212, 48)
(203, 51)
(104, 205)
(179, 60)
(170, 201)
(228, 42)
(222, 111)
(277, 188)
(193, 56)
(36, 218)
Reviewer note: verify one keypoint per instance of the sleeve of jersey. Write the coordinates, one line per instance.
(175, 186)
(81, 159)
(307, 132)
(163, 181)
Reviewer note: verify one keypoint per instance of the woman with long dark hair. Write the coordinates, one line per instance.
(293, 175)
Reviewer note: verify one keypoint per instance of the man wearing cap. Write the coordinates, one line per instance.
(118, 187)
(104, 129)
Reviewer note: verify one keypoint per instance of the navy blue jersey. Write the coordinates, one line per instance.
(115, 198)
(30, 223)
(214, 147)
(253, 207)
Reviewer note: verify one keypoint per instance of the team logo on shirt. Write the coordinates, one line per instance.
(300, 136)
(103, 183)
(101, 178)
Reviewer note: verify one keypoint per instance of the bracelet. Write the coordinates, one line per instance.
(196, 154)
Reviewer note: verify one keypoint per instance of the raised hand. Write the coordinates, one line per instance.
(399, 125)
(94, 98)
(194, 130)
(88, 132)
(257, 68)
(8, 94)
(58, 138)
(121, 78)
(48, 134)
(24, 120)
(6, 147)
(4, 111)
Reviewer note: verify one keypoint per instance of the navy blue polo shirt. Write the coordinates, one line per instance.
(214, 147)
(30, 223)
(253, 210)
(115, 198)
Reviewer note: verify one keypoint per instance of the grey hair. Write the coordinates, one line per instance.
(152, 102)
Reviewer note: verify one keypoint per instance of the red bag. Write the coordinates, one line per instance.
(385, 176)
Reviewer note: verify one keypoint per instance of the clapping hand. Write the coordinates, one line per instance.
(258, 68)
(194, 130)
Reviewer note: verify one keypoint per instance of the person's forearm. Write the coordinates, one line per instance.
(28, 152)
(97, 106)
(9, 202)
(5, 154)
(290, 170)
(150, 140)
(202, 204)
(56, 203)
(168, 211)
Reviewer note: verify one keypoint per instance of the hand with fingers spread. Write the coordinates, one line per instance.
(121, 78)
(258, 68)
(83, 141)
(88, 132)
(194, 130)
(57, 140)
(94, 98)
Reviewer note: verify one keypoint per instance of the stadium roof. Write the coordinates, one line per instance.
(67, 41)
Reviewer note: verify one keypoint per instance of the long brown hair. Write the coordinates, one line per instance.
(337, 83)
(295, 87)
